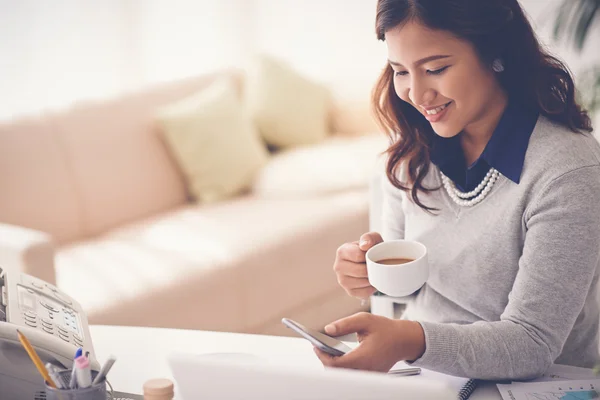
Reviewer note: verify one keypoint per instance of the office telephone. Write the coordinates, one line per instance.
(53, 322)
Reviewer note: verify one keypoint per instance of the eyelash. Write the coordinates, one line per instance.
(436, 72)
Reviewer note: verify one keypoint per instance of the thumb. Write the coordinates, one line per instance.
(369, 240)
(352, 324)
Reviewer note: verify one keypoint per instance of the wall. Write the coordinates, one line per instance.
(334, 40)
(53, 53)
(50, 50)
(330, 40)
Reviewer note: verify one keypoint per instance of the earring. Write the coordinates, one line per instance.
(498, 65)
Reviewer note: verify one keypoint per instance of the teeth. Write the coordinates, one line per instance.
(436, 110)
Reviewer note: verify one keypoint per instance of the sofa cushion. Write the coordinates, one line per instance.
(37, 185)
(120, 164)
(338, 164)
(215, 144)
(232, 265)
(288, 109)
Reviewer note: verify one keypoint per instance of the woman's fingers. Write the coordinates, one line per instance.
(350, 252)
(350, 282)
(363, 293)
(326, 359)
(347, 268)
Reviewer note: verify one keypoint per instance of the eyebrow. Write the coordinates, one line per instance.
(421, 61)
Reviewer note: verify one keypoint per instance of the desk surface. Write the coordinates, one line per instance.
(142, 352)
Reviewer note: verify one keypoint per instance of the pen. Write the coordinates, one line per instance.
(82, 372)
(405, 372)
(36, 359)
(104, 370)
(73, 381)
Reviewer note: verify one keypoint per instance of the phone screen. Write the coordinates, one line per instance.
(326, 343)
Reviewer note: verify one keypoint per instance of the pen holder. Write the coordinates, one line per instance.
(94, 392)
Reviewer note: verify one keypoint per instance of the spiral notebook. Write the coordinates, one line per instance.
(464, 387)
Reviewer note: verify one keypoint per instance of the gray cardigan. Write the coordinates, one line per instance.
(514, 279)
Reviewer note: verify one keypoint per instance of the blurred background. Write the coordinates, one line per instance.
(196, 164)
(55, 53)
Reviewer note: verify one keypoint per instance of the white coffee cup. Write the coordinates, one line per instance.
(397, 280)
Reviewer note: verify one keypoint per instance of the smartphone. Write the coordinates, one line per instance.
(321, 341)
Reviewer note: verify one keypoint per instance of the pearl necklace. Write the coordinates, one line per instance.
(476, 195)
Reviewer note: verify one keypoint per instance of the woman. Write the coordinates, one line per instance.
(492, 166)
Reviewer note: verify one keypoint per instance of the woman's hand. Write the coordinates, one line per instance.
(350, 266)
(383, 342)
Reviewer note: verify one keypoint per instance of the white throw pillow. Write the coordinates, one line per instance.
(214, 143)
(288, 109)
(337, 164)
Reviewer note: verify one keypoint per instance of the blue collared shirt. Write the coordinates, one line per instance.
(505, 150)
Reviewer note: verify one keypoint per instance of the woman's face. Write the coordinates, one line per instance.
(442, 77)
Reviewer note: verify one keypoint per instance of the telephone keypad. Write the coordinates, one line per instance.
(52, 310)
(49, 306)
(78, 340)
(33, 324)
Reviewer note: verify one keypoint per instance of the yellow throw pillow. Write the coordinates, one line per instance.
(214, 143)
(288, 109)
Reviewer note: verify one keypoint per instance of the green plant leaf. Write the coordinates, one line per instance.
(588, 12)
(574, 20)
(561, 19)
(588, 91)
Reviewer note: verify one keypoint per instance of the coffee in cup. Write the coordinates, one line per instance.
(397, 268)
(394, 261)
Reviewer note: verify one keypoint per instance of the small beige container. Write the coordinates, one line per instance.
(158, 389)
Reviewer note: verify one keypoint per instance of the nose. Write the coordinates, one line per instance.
(420, 93)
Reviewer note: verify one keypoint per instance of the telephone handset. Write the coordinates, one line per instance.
(53, 322)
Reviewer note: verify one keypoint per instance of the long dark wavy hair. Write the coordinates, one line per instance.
(496, 29)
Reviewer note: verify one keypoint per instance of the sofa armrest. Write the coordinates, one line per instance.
(28, 251)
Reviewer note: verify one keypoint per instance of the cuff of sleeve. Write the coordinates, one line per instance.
(441, 346)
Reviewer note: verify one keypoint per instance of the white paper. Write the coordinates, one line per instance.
(586, 389)
(566, 372)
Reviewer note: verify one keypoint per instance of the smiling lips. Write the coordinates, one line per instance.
(435, 114)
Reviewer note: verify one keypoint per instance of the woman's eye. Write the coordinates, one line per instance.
(437, 71)
(401, 73)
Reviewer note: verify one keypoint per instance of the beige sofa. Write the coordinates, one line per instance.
(92, 200)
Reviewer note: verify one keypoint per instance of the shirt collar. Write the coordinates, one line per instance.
(505, 150)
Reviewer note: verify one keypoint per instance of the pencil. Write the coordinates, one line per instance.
(36, 360)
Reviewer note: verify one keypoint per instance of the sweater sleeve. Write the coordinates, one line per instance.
(559, 261)
(392, 213)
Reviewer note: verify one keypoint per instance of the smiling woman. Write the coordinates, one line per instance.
(492, 167)
(453, 66)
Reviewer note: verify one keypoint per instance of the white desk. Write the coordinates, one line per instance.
(142, 352)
